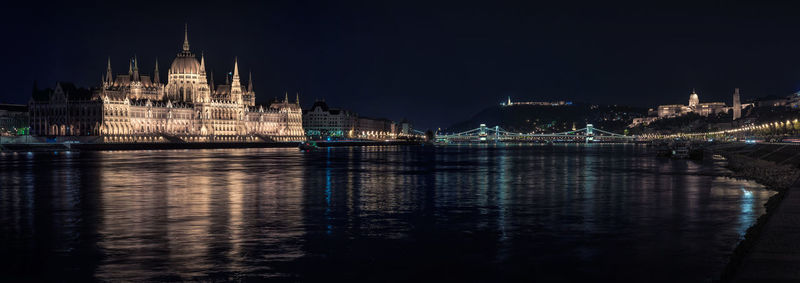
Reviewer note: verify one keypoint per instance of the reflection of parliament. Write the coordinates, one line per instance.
(136, 107)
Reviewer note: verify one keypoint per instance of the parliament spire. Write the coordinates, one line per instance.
(186, 37)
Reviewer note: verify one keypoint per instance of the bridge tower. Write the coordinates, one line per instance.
(589, 132)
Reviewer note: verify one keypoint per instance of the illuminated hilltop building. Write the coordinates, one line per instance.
(702, 109)
(694, 106)
(136, 107)
(538, 103)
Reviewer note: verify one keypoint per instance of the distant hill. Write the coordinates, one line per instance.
(528, 118)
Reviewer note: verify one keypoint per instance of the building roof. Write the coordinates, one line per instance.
(124, 80)
(14, 107)
(222, 90)
(324, 106)
(72, 92)
(75, 93)
(185, 63)
(41, 94)
(320, 104)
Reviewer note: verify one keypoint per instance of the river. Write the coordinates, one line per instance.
(569, 212)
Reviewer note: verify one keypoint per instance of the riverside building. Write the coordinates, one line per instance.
(13, 119)
(323, 122)
(137, 107)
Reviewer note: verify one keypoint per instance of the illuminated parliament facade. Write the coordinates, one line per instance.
(136, 107)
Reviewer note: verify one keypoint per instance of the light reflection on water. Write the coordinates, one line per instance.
(564, 212)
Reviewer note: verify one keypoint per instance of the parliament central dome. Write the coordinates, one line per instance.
(185, 64)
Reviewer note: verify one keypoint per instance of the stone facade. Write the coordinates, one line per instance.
(321, 121)
(375, 129)
(13, 119)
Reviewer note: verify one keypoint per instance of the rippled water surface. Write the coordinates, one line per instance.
(556, 213)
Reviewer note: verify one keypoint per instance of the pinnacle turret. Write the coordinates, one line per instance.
(211, 85)
(236, 68)
(108, 72)
(250, 82)
(202, 63)
(186, 37)
(236, 85)
(135, 69)
(156, 80)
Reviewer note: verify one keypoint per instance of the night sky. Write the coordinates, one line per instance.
(435, 63)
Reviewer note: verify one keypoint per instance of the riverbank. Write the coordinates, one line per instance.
(762, 254)
(186, 145)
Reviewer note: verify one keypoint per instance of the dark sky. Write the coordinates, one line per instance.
(430, 61)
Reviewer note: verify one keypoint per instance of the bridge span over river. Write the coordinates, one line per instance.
(496, 133)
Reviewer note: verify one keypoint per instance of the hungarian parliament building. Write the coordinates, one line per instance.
(137, 107)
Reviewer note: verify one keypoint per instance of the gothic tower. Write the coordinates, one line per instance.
(249, 96)
(203, 91)
(236, 86)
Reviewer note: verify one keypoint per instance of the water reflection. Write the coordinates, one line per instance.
(563, 212)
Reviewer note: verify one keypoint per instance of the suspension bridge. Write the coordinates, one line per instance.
(498, 134)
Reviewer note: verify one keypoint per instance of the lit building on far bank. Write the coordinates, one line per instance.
(694, 106)
(538, 103)
(137, 107)
(13, 119)
(702, 109)
(323, 122)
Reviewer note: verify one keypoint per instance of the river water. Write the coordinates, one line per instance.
(476, 213)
